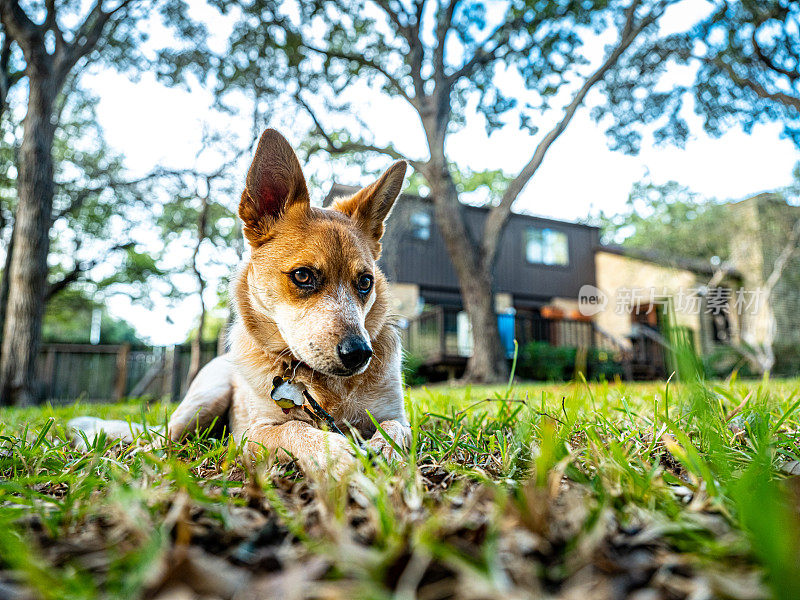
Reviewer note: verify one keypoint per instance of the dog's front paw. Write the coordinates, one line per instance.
(332, 455)
(400, 435)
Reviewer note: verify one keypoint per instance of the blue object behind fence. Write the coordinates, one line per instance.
(505, 323)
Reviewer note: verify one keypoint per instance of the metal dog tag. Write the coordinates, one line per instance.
(287, 394)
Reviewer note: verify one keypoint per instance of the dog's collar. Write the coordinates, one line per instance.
(288, 393)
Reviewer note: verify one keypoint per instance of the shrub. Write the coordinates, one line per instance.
(540, 360)
(601, 365)
(787, 359)
(412, 369)
(720, 362)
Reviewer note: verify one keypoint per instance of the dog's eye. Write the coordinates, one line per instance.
(303, 278)
(365, 283)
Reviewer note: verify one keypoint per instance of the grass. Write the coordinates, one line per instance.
(557, 491)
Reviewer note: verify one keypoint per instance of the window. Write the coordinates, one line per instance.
(546, 247)
(721, 328)
(420, 222)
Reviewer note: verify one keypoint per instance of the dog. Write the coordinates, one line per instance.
(311, 310)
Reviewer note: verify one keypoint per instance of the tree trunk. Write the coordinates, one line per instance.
(197, 345)
(487, 363)
(28, 269)
(5, 285)
(474, 259)
(197, 342)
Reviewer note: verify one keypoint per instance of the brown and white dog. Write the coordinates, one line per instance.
(310, 300)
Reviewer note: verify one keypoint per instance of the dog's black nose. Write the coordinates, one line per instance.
(354, 352)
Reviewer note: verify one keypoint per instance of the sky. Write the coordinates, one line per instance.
(153, 125)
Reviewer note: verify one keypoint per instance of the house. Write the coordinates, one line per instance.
(766, 234)
(649, 294)
(724, 305)
(540, 261)
(540, 268)
(555, 282)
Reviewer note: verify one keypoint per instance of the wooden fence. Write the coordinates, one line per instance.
(104, 373)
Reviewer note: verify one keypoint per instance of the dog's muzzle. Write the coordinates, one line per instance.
(354, 352)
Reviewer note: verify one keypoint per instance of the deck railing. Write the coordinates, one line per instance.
(436, 335)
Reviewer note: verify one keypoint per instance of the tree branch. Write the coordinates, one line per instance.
(411, 33)
(358, 146)
(393, 15)
(85, 192)
(88, 35)
(765, 59)
(78, 270)
(364, 62)
(334, 147)
(417, 54)
(483, 55)
(783, 258)
(20, 28)
(443, 24)
(7, 77)
(408, 29)
(56, 287)
(51, 24)
(497, 217)
(780, 97)
(761, 354)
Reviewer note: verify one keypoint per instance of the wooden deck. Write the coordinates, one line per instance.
(442, 342)
(441, 338)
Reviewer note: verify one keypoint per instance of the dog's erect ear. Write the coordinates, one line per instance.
(275, 181)
(370, 206)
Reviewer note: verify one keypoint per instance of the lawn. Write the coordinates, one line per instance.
(644, 491)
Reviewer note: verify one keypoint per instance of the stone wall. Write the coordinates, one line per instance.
(617, 273)
(764, 223)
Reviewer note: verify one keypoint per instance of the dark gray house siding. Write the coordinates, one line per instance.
(425, 262)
